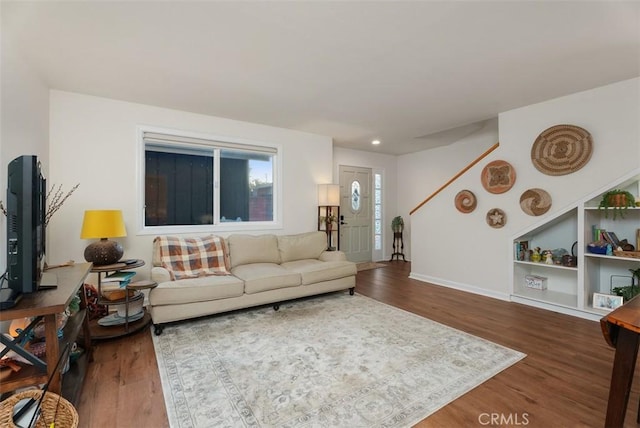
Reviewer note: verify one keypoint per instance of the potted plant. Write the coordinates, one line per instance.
(397, 224)
(628, 292)
(329, 221)
(618, 201)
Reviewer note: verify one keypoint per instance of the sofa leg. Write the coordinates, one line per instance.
(158, 328)
(352, 291)
(276, 306)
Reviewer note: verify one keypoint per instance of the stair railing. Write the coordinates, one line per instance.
(455, 177)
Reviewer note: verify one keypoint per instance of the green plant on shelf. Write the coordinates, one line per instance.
(628, 292)
(618, 201)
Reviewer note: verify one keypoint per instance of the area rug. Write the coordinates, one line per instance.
(329, 361)
(369, 265)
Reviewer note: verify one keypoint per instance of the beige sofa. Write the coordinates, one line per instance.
(266, 269)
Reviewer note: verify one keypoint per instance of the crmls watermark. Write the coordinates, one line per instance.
(504, 419)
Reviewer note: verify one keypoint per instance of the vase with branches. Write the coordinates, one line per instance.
(55, 198)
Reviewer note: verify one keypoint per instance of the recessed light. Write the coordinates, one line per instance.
(375, 142)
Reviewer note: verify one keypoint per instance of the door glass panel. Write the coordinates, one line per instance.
(355, 196)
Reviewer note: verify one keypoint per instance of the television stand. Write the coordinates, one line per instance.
(48, 280)
(8, 298)
(45, 304)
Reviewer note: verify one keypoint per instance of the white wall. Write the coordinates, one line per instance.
(94, 143)
(461, 250)
(421, 174)
(24, 115)
(385, 165)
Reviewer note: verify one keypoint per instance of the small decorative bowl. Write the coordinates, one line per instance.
(596, 249)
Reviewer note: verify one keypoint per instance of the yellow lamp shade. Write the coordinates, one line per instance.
(99, 224)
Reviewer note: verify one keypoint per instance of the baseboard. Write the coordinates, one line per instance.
(462, 287)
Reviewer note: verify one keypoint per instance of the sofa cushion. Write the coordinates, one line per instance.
(314, 271)
(302, 246)
(259, 277)
(196, 290)
(245, 249)
(193, 257)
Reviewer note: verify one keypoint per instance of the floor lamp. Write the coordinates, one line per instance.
(329, 212)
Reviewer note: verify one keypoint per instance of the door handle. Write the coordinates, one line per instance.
(343, 222)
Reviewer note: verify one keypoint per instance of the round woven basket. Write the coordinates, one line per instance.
(65, 417)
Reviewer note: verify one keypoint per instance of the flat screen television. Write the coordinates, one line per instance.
(26, 210)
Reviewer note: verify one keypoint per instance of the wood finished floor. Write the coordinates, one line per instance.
(563, 381)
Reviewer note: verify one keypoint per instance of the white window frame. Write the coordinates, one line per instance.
(217, 226)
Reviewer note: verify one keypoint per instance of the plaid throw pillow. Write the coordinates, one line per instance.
(193, 257)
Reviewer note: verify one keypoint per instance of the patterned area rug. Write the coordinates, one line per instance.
(333, 360)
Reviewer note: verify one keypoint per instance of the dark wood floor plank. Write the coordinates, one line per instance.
(563, 381)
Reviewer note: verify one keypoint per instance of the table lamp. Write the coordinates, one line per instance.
(103, 224)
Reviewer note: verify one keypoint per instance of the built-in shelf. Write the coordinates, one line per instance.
(570, 289)
(545, 265)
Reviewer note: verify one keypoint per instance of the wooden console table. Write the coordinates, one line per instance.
(45, 304)
(621, 329)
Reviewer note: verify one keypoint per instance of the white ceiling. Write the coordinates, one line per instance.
(402, 72)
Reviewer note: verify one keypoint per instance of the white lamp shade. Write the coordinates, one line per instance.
(329, 195)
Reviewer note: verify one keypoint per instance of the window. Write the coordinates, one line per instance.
(377, 211)
(197, 182)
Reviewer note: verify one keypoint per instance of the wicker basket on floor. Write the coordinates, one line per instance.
(65, 417)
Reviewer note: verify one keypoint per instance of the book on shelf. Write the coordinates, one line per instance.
(121, 276)
(598, 234)
(610, 238)
(521, 248)
(116, 280)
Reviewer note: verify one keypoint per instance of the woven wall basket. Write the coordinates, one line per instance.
(496, 218)
(561, 150)
(535, 201)
(465, 201)
(498, 176)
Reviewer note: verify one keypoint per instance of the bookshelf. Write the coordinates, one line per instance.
(570, 289)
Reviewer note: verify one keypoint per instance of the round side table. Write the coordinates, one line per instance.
(136, 286)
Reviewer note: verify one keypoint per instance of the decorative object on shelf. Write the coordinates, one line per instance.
(397, 224)
(570, 260)
(628, 291)
(535, 255)
(618, 201)
(627, 254)
(561, 150)
(103, 224)
(521, 251)
(535, 201)
(548, 257)
(607, 301)
(498, 176)
(599, 247)
(465, 201)
(496, 218)
(536, 282)
(329, 212)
